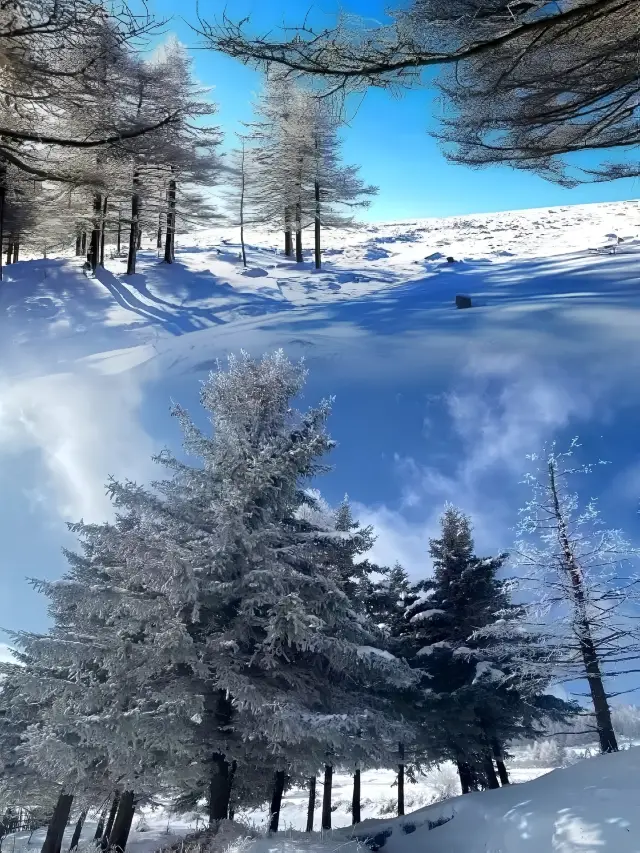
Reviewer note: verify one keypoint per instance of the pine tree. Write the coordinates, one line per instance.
(202, 622)
(488, 691)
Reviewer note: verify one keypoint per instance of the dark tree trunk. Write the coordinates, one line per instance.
(401, 780)
(57, 824)
(355, 802)
(590, 657)
(169, 240)
(288, 239)
(9, 253)
(159, 238)
(16, 251)
(100, 826)
(104, 842)
(299, 256)
(139, 243)
(77, 832)
(318, 256)
(219, 788)
(119, 237)
(94, 248)
(78, 244)
(219, 713)
(276, 800)
(242, 190)
(103, 227)
(122, 824)
(467, 777)
(326, 796)
(133, 233)
(490, 772)
(83, 247)
(499, 759)
(3, 172)
(311, 808)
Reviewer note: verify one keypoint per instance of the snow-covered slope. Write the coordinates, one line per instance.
(432, 403)
(590, 807)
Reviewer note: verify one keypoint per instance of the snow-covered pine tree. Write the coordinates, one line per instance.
(488, 690)
(207, 613)
(585, 590)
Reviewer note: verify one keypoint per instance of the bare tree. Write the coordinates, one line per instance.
(533, 80)
(583, 586)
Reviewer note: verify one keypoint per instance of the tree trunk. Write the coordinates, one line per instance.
(139, 243)
(159, 237)
(288, 241)
(16, 251)
(276, 800)
(219, 788)
(466, 776)
(355, 802)
(312, 804)
(326, 796)
(103, 227)
(2, 198)
(122, 824)
(100, 826)
(133, 233)
(94, 248)
(78, 244)
(499, 759)
(104, 841)
(83, 247)
(119, 238)
(77, 832)
(299, 256)
(242, 189)
(318, 256)
(57, 824)
(169, 240)
(490, 772)
(9, 253)
(590, 657)
(401, 781)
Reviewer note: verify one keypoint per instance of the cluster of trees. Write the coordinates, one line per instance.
(288, 171)
(226, 636)
(100, 142)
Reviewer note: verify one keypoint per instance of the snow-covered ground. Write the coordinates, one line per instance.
(432, 403)
(589, 807)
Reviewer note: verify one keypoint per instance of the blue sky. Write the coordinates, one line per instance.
(387, 136)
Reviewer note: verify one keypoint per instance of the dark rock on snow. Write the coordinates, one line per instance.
(463, 301)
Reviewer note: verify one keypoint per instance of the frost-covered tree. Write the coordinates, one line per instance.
(582, 581)
(203, 621)
(530, 81)
(487, 677)
(300, 177)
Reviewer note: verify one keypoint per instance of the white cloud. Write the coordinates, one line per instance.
(83, 428)
(505, 407)
(398, 539)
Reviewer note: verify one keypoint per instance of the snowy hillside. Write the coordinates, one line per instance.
(88, 366)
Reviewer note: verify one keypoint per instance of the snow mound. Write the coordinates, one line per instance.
(256, 272)
(590, 807)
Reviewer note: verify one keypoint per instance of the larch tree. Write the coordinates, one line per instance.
(582, 580)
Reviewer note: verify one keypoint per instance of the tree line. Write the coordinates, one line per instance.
(101, 143)
(226, 636)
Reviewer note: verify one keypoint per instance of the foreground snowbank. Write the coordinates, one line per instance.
(591, 807)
